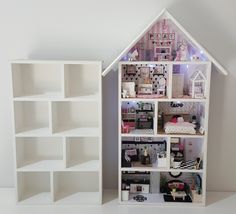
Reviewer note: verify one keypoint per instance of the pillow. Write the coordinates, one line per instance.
(180, 120)
(173, 120)
(176, 185)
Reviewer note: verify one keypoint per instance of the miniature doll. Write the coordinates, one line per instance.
(182, 52)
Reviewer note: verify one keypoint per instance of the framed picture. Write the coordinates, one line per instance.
(131, 70)
(172, 36)
(145, 72)
(158, 70)
(151, 36)
(165, 36)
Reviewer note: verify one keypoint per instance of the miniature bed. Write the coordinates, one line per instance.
(181, 125)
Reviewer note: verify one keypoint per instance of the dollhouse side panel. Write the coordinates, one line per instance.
(209, 70)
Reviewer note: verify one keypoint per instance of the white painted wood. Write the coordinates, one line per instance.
(166, 14)
(163, 100)
(76, 184)
(170, 81)
(74, 115)
(31, 150)
(155, 125)
(58, 131)
(206, 130)
(119, 132)
(31, 116)
(87, 75)
(36, 79)
(34, 186)
(80, 150)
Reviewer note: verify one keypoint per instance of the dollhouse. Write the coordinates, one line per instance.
(164, 84)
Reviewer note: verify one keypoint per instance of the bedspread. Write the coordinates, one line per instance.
(179, 128)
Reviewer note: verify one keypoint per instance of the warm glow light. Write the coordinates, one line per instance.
(152, 66)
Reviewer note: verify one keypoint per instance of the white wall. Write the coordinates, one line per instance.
(86, 29)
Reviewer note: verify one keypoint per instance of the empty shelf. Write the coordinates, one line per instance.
(39, 97)
(40, 198)
(78, 132)
(85, 166)
(28, 132)
(79, 198)
(44, 165)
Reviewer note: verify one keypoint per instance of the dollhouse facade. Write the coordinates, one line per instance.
(164, 86)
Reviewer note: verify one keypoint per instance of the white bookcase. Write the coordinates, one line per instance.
(58, 135)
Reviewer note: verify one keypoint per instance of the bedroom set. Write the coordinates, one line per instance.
(163, 108)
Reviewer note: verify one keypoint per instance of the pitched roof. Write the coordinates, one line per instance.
(198, 74)
(166, 14)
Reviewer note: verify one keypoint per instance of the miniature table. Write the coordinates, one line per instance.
(178, 194)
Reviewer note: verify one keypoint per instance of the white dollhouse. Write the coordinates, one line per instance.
(163, 119)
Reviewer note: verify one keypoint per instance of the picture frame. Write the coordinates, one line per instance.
(172, 36)
(165, 36)
(131, 70)
(145, 72)
(151, 36)
(158, 70)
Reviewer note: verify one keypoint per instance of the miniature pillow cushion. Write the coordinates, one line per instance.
(173, 120)
(180, 120)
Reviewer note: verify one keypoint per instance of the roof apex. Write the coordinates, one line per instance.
(165, 13)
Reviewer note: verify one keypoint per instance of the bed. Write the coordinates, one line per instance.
(180, 127)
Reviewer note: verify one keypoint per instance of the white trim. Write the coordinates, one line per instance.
(164, 12)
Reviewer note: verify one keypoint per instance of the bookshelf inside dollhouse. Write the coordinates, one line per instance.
(137, 117)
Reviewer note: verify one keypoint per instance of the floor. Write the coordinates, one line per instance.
(217, 203)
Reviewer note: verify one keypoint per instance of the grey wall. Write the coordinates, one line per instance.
(99, 30)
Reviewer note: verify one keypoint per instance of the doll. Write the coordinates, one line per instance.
(182, 52)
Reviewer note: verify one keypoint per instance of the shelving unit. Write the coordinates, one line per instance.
(176, 83)
(58, 134)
